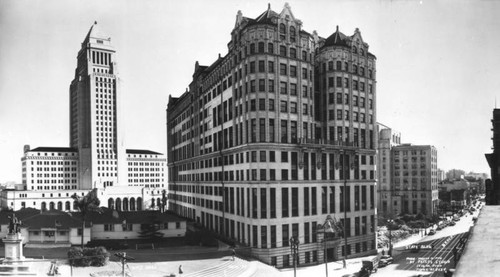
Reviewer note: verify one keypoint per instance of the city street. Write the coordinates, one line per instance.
(436, 253)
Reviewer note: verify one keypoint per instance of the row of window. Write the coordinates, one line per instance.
(354, 69)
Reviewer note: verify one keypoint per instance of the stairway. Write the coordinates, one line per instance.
(230, 268)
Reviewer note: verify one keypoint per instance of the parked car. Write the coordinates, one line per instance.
(370, 266)
(385, 260)
(432, 232)
(452, 223)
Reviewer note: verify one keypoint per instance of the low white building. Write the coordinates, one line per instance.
(112, 224)
(65, 228)
(50, 227)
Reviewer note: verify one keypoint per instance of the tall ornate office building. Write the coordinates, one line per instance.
(274, 137)
(127, 179)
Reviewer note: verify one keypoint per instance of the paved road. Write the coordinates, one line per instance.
(436, 254)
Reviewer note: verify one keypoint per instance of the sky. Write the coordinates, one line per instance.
(437, 65)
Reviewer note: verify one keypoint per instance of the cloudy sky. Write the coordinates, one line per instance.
(438, 73)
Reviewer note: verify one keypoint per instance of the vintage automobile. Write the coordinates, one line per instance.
(369, 266)
(385, 260)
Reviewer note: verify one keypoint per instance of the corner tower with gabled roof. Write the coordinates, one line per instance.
(249, 152)
(95, 125)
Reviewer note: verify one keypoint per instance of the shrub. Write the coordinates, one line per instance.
(97, 256)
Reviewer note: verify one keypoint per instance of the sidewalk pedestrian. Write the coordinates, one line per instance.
(234, 254)
(343, 263)
(180, 269)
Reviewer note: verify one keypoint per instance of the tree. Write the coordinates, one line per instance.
(85, 204)
(163, 200)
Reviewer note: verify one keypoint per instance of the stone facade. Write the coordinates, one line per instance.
(275, 136)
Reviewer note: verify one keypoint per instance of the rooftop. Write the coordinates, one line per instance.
(141, 151)
(53, 149)
(482, 252)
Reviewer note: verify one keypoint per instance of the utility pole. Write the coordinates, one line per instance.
(294, 247)
(123, 259)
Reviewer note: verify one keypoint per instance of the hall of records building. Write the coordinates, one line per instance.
(270, 138)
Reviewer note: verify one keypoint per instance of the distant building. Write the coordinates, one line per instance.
(127, 179)
(388, 138)
(408, 176)
(454, 195)
(441, 175)
(455, 174)
(493, 185)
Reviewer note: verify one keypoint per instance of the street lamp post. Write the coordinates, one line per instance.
(346, 167)
(294, 248)
(390, 222)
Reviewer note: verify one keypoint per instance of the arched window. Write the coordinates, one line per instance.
(59, 205)
(292, 34)
(354, 50)
(132, 204)
(125, 204)
(75, 206)
(282, 31)
(51, 206)
(361, 51)
(118, 204)
(339, 65)
(354, 69)
(111, 203)
(139, 203)
(252, 48)
(346, 66)
(67, 206)
(44, 206)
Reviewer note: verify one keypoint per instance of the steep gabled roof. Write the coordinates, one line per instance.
(266, 17)
(337, 39)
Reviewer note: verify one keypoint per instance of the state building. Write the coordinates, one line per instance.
(277, 135)
(127, 179)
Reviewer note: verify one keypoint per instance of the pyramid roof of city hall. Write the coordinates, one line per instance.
(96, 32)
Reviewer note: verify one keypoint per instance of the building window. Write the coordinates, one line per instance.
(271, 85)
(283, 106)
(270, 48)
(293, 71)
(270, 66)
(109, 227)
(282, 69)
(283, 88)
